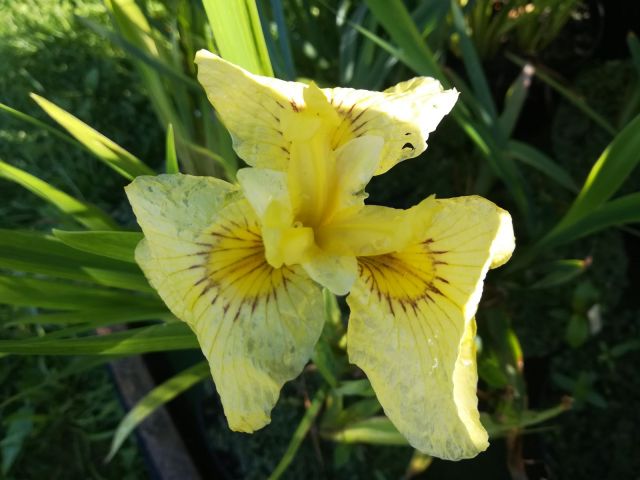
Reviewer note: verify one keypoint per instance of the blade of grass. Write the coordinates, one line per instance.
(84, 213)
(162, 394)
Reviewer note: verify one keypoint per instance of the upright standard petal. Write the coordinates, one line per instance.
(403, 115)
(412, 324)
(255, 109)
(203, 252)
(264, 115)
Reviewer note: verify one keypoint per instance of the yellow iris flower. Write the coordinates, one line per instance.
(244, 265)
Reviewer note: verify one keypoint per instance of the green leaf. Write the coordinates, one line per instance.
(104, 149)
(514, 100)
(299, 435)
(361, 388)
(634, 49)
(84, 213)
(536, 159)
(134, 28)
(548, 77)
(560, 272)
(589, 212)
(112, 313)
(124, 280)
(472, 63)
(380, 430)
(528, 418)
(287, 70)
(34, 121)
(238, 34)
(18, 427)
(374, 431)
(414, 52)
(34, 252)
(577, 331)
(171, 158)
(609, 172)
(32, 292)
(117, 245)
(155, 338)
(162, 67)
(157, 397)
(75, 366)
(360, 410)
(397, 21)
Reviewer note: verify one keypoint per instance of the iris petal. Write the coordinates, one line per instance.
(411, 326)
(203, 253)
(265, 114)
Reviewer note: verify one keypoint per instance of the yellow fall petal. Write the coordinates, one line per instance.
(411, 326)
(203, 252)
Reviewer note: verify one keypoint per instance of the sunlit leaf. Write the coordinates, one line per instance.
(238, 34)
(609, 172)
(171, 157)
(156, 398)
(84, 213)
(24, 291)
(116, 245)
(155, 338)
(106, 150)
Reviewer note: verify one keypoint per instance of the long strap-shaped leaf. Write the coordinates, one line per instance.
(157, 397)
(37, 292)
(116, 157)
(609, 172)
(238, 34)
(155, 338)
(115, 245)
(84, 213)
(547, 77)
